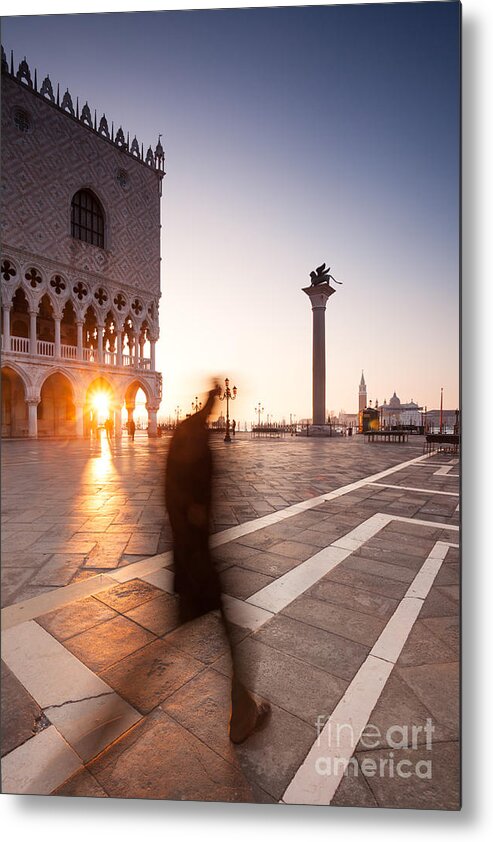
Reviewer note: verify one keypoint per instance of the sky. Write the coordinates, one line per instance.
(293, 136)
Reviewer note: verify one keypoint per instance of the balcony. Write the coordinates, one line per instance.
(46, 350)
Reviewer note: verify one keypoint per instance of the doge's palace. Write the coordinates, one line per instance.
(80, 263)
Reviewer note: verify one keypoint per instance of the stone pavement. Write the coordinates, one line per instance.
(340, 565)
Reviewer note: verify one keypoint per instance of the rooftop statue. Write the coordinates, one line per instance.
(321, 276)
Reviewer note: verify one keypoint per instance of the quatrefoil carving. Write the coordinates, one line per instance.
(137, 306)
(101, 296)
(8, 270)
(119, 301)
(34, 278)
(80, 290)
(58, 284)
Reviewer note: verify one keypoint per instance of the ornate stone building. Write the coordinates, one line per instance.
(395, 413)
(80, 264)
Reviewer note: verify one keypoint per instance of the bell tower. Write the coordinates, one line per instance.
(362, 394)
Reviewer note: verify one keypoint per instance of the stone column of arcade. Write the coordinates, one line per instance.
(80, 326)
(319, 295)
(58, 345)
(6, 326)
(119, 346)
(32, 408)
(117, 410)
(151, 420)
(100, 329)
(33, 341)
(79, 419)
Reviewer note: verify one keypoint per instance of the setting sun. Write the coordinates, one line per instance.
(101, 404)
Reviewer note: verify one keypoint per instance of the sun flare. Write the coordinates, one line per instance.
(101, 404)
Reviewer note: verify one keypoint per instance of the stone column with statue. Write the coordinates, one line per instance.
(319, 293)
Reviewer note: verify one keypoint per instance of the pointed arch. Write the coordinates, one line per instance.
(133, 387)
(14, 405)
(56, 409)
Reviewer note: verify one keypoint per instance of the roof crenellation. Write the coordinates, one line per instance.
(153, 158)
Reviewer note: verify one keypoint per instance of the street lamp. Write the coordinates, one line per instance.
(228, 395)
(177, 411)
(259, 408)
(196, 405)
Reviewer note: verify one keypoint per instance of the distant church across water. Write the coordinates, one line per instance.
(80, 264)
(391, 414)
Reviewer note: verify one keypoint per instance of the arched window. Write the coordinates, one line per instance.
(87, 219)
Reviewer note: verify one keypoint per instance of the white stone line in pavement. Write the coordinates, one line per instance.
(410, 488)
(139, 569)
(444, 471)
(163, 579)
(20, 612)
(279, 593)
(449, 526)
(39, 765)
(319, 776)
(80, 705)
(247, 616)
(29, 609)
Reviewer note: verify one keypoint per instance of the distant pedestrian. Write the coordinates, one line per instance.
(233, 426)
(108, 425)
(131, 429)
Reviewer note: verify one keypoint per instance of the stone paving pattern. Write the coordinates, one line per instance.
(88, 510)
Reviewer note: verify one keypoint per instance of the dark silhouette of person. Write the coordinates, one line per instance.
(188, 488)
(233, 426)
(131, 429)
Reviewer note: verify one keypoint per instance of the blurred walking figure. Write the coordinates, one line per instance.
(131, 429)
(108, 425)
(189, 475)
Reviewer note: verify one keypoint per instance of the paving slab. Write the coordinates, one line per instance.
(178, 766)
(149, 676)
(75, 618)
(158, 615)
(330, 652)
(128, 595)
(300, 689)
(354, 598)
(414, 791)
(353, 625)
(22, 717)
(82, 785)
(242, 583)
(108, 642)
(437, 686)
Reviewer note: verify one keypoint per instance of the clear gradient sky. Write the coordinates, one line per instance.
(292, 136)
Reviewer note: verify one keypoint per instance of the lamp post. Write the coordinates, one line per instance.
(228, 395)
(177, 411)
(196, 405)
(258, 409)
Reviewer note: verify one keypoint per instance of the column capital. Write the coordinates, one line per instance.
(33, 401)
(319, 295)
